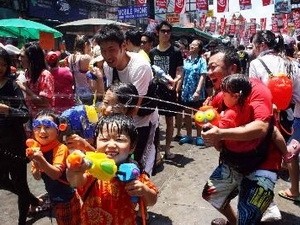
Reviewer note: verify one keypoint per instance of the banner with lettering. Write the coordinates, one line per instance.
(213, 25)
(282, 6)
(160, 6)
(285, 18)
(202, 21)
(245, 4)
(263, 23)
(223, 22)
(202, 5)
(296, 18)
(140, 2)
(222, 6)
(232, 29)
(179, 6)
(274, 20)
(252, 26)
(267, 2)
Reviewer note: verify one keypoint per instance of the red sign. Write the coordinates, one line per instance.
(222, 6)
(202, 5)
(263, 22)
(267, 2)
(222, 25)
(161, 4)
(140, 2)
(179, 6)
(245, 4)
(203, 21)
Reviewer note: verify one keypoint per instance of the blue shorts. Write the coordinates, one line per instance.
(255, 191)
(296, 130)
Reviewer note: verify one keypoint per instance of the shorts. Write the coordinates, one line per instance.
(68, 212)
(256, 191)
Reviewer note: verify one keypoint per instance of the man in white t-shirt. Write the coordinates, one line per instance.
(130, 68)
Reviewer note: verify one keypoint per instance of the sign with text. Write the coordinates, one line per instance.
(132, 12)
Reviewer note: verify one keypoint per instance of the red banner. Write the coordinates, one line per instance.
(267, 2)
(179, 6)
(162, 4)
(202, 21)
(202, 5)
(232, 29)
(245, 4)
(140, 2)
(296, 18)
(252, 26)
(275, 24)
(222, 25)
(222, 6)
(285, 23)
(263, 23)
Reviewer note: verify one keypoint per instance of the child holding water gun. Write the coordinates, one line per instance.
(236, 89)
(109, 202)
(48, 158)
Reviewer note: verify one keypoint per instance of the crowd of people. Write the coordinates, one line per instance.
(116, 72)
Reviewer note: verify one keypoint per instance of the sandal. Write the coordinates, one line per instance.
(169, 156)
(283, 194)
(220, 221)
(44, 205)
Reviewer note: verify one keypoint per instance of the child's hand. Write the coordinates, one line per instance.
(135, 188)
(74, 141)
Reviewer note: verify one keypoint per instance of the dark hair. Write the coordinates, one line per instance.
(241, 47)
(274, 42)
(48, 112)
(5, 56)
(110, 32)
(124, 124)
(230, 56)
(149, 35)
(163, 23)
(200, 46)
(237, 83)
(127, 94)
(134, 36)
(36, 59)
(80, 42)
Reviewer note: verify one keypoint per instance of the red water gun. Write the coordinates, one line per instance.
(207, 114)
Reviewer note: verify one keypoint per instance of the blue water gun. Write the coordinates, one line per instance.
(128, 172)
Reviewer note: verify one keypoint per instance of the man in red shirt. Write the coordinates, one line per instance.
(255, 188)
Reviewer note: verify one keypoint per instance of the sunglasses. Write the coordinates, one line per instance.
(164, 31)
(46, 123)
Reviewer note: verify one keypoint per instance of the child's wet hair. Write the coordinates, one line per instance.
(124, 124)
(237, 83)
(48, 112)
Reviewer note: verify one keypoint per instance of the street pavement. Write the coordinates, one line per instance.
(180, 182)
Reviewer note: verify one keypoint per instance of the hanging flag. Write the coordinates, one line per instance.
(213, 24)
(296, 18)
(285, 18)
(274, 24)
(263, 23)
(179, 6)
(140, 2)
(267, 2)
(282, 6)
(232, 29)
(161, 4)
(202, 5)
(222, 6)
(245, 4)
(202, 21)
(252, 26)
(223, 21)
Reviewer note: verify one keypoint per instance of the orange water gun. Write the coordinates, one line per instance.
(206, 114)
(32, 146)
(99, 165)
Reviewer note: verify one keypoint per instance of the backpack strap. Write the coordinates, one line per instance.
(266, 68)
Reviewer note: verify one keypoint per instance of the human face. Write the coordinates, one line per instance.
(111, 105)
(24, 60)
(115, 144)
(44, 130)
(3, 68)
(230, 99)
(164, 34)
(145, 44)
(217, 70)
(112, 52)
(194, 47)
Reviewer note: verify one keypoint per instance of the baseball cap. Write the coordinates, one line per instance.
(52, 57)
(12, 50)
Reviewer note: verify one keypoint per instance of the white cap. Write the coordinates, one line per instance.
(12, 50)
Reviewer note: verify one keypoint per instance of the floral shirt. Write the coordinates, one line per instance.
(193, 70)
(44, 87)
(108, 203)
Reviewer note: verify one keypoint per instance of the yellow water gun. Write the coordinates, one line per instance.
(99, 165)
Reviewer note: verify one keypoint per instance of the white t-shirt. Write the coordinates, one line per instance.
(277, 64)
(139, 73)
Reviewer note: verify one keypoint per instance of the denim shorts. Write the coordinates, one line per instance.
(296, 130)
